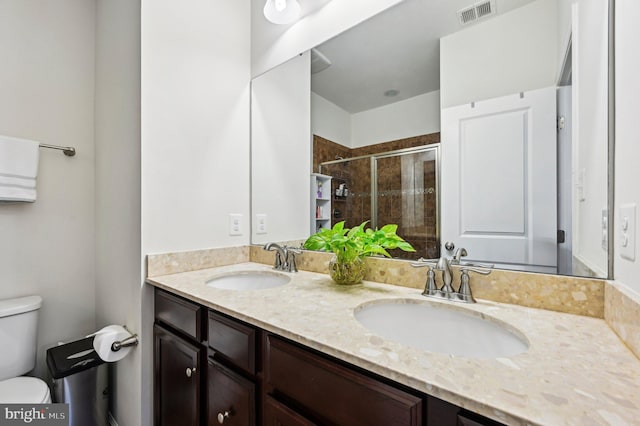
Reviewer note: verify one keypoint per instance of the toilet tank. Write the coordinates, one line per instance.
(18, 332)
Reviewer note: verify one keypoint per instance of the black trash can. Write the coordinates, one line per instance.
(80, 379)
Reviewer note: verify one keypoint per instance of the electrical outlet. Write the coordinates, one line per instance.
(261, 223)
(235, 224)
(628, 231)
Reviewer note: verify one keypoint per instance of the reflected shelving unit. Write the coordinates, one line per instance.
(320, 202)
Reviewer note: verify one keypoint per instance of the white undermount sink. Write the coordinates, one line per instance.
(249, 280)
(441, 328)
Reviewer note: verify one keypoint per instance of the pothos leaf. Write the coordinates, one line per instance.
(358, 241)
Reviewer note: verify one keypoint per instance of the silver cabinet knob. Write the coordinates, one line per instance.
(190, 371)
(449, 246)
(222, 417)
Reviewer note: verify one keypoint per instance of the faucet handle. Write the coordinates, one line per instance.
(291, 258)
(425, 263)
(477, 265)
(430, 287)
(464, 292)
(293, 250)
(483, 270)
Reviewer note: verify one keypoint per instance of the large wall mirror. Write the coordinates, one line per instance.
(475, 125)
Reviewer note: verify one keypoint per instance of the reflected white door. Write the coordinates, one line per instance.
(565, 187)
(499, 180)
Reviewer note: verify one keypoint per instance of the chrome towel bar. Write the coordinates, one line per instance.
(69, 151)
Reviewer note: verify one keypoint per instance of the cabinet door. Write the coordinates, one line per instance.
(277, 414)
(231, 398)
(177, 380)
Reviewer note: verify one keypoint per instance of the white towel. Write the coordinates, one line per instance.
(18, 169)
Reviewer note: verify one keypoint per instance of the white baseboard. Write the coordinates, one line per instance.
(112, 421)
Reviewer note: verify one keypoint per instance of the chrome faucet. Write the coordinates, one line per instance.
(285, 257)
(281, 255)
(459, 254)
(463, 294)
(444, 265)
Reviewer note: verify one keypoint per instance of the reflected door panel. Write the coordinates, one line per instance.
(498, 206)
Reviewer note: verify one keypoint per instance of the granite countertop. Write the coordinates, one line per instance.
(576, 371)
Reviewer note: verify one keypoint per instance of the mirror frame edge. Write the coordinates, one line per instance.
(611, 128)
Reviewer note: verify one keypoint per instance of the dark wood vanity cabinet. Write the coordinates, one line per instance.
(212, 369)
(327, 392)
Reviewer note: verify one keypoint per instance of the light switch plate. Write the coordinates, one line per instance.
(261, 223)
(235, 224)
(627, 229)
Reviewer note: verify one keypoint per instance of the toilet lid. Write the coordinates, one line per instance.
(24, 390)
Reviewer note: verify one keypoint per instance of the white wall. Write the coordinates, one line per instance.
(415, 116)
(564, 30)
(47, 81)
(482, 62)
(117, 138)
(627, 130)
(195, 123)
(330, 121)
(590, 130)
(195, 72)
(272, 44)
(281, 150)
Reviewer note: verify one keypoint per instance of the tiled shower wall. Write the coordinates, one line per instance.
(356, 175)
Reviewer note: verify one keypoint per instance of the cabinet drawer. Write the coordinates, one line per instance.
(276, 414)
(179, 313)
(231, 398)
(233, 341)
(470, 419)
(442, 413)
(330, 393)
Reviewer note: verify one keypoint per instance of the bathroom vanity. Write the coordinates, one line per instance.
(296, 355)
(213, 368)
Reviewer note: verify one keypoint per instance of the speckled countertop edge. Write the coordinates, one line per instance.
(576, 371)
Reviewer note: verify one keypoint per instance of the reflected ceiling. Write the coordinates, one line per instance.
(409, 62)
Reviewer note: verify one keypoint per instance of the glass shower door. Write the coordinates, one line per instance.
(405, 192)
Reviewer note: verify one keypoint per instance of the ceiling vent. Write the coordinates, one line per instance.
(477, 11)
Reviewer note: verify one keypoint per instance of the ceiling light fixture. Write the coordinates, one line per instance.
(282, 12)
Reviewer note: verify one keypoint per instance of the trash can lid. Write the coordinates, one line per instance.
(71, 358)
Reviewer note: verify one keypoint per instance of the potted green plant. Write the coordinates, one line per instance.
(350, 246)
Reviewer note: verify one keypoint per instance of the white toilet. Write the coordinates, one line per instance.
(18, 329)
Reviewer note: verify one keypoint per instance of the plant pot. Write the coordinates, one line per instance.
(348, 273)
